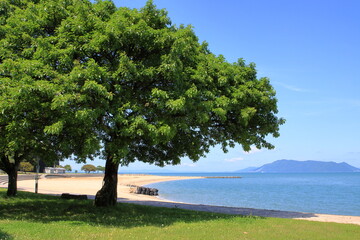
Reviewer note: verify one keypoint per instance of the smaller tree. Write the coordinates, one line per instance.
(26, 167)
(88, 168)
(100, 168)
(68, 168)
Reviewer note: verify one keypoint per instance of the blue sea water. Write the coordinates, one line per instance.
(328, 193)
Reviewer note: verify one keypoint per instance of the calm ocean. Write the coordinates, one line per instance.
(329, 193)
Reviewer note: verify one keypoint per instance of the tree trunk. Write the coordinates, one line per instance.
(12, 179)
(11, 168)
(107, 195)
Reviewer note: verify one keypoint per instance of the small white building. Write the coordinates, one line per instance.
(55, 170)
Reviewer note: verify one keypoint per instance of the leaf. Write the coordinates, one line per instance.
(54, 129)
(176, 105)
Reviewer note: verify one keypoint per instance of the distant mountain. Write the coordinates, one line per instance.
(292, 166)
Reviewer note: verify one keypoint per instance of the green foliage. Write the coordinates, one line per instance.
(100, 169)
(35, 122)
(68, 168)
(26, 167)
(34, 61)
(77, 76)
(22, 218)
(88, 168)
(130, 80)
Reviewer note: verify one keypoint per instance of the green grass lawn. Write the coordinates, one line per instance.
(31, 216)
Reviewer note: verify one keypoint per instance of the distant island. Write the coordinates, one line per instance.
(292, 166)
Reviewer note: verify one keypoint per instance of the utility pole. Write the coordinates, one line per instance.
(37, 175)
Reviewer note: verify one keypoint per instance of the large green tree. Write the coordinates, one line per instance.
(171, 97)
(32, 80)
(133, 83)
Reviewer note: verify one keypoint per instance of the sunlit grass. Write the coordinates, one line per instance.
(31, 216)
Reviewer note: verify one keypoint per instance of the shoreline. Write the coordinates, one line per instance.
(90, 185)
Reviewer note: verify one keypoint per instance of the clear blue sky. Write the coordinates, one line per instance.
(309, 49)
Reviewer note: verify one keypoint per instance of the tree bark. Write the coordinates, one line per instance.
(11, 169)
(12, 180)
(107, 195)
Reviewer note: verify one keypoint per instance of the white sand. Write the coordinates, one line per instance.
(90, 185)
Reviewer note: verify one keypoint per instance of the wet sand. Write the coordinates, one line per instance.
(90, 185)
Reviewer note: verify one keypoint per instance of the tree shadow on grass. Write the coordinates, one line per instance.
(5, 236)
(46, 209)
(239, 211)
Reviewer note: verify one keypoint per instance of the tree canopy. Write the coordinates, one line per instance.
(68, 168)
(100, 168)
(88, 168)
(32, 79)
(124, 84)
(26, 167)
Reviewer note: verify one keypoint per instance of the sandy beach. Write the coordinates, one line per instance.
(90, 185)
